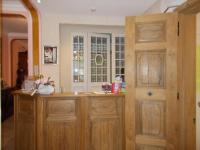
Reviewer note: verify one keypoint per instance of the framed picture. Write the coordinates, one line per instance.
(50, 55)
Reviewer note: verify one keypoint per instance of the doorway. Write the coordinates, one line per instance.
(14, 54)
(19, 62)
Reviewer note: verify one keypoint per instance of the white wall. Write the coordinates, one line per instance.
(50, 35)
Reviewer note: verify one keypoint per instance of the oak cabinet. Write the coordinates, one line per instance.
(105, 123)
(25, 122)
(61, 124)
(69, 122)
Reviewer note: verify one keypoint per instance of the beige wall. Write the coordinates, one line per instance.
(50, 35)
(65, 47)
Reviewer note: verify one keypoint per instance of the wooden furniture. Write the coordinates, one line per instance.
(160, 76)
(69, 122)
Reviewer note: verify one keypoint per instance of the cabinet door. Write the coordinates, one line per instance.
(151, 76)
(105, 123)
(62, 124)
(25, 122)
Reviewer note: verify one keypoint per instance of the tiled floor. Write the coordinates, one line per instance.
(7, 134)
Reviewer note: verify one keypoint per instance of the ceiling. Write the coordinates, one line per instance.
(96, 7)
(118, 8)
(14, 24)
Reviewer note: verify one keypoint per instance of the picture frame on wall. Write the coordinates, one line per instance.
(50, 55)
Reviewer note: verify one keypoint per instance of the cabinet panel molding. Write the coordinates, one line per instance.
(150, 68)
(150, 31)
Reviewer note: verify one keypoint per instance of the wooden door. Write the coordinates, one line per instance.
(151, 76)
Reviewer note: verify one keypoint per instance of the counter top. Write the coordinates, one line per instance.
(71, 94)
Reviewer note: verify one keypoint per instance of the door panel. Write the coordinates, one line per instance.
(147, 147)
(150, 118)
(105, 128)
(150, 31)
(150, 68)
(62, 124)
(151, 75)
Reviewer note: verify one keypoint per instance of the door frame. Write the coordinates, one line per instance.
(187, 89)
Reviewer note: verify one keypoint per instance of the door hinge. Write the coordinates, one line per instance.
(178, 29)
(178, 96)
(194, 120)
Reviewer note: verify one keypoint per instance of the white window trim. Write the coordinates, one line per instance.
(79, 86)
(90, 84)
(113, 54)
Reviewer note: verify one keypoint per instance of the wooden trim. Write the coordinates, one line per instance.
(187, 84)
(130, 93)
(189, 7)
(35, 31)
(8, 15)
(1, 36)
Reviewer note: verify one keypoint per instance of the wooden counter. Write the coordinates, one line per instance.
(66, 121)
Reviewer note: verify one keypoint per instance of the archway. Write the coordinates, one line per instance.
(35, 35)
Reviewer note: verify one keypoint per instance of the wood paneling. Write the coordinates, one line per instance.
(147, 147)
(150, 68)
(69, 122)
(105, 123)
(150, 32)
(61, 135)
(62, 124)
(151, 76)
(104, 106)
(150, 118)
(25, 122)
(61, 108)
(186, 82)
(189, 7)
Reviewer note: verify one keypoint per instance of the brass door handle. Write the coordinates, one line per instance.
(199, 104)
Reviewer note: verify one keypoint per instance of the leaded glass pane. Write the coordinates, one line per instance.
(98, 48)
(78, 58)
(119, 56)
